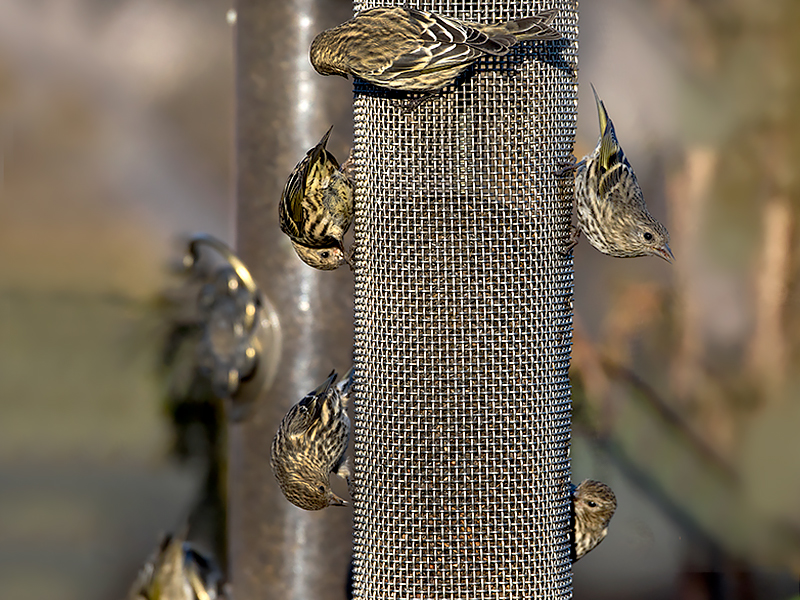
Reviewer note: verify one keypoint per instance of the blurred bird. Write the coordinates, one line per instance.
(310, 445)
(316, 208)
(593, 505)
(178, 572)
(610, 204)
(406, 49)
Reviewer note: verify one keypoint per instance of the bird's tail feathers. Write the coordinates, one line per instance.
(318, 397)
(345, 386)
(319, 150)
(324, 141)
(610, 150)
(325, 385)
(537, 27)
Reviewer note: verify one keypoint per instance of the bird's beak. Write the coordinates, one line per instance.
(666, 254)
(336, 501)
(348, 257)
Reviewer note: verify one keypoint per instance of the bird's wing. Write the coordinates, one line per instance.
(309, 409)
(610, 150)
(345, 386)
(443, 30)
(291, 205)
(298, 419)
(613, 167)
(292, 212)
(320, 154)
(444, 44)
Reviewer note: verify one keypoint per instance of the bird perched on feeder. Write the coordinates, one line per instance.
(593, 505)
(407, 49)
(316, 208)
(310, 445)
(610, 204)
(178, 571)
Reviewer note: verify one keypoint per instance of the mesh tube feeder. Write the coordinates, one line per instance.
(463, 319)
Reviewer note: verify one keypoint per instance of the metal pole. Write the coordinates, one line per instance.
(282, 109)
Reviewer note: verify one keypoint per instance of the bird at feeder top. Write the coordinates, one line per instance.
(406, 49)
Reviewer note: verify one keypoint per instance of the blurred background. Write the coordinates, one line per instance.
(116, 125)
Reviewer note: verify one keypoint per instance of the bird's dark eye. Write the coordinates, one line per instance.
(591, 503)
(325, 254)
(648, 236)
(321, 489)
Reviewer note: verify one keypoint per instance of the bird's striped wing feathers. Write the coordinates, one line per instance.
(613, 167)
(291, 206)
(610, 150)
(292, 210)
(444, 44)
(444, 31)
(309, 409)
(299, 418)
(430, 59)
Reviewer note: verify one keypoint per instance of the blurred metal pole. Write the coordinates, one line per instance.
(282, 109)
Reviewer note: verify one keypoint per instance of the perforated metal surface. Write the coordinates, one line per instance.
(463, 327)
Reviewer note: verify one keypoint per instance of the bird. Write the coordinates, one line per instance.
(610, 205)
(402, 48)
(310, 444)
(593, 505)
(316, 208)
(178, 571)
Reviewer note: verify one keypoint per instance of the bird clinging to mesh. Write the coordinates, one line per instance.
(593, 505)
(407, 49)
(310, 445)
(610, 204)
(178, 571)
(316, 208)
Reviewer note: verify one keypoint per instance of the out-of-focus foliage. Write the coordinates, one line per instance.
(694, 382)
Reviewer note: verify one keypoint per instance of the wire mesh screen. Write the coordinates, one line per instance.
(463, 318)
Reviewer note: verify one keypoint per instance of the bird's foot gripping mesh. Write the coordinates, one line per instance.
(463, 326)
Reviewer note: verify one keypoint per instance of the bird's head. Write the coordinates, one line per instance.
(595, 502)
(324, 57)
(635, 233)
(648, 237)
(325, 259)
(312, 495)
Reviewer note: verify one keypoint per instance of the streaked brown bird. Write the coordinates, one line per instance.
(609, 202)
(310, 445)
(316, 208)
(407, 49)
(178, 571)
(593, 505)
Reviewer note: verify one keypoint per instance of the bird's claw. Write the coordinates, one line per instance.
(574, 238)
(349, 166)
(409, 105)
(569, 166)
(349, 256)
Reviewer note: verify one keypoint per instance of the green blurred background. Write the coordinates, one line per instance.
(116, 119)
